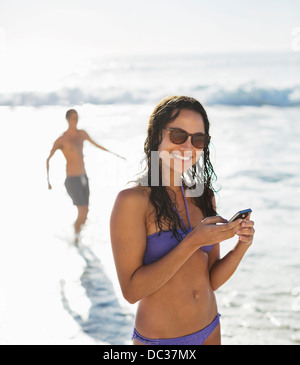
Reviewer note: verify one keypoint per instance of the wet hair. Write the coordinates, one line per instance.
(165, 112)
(70, 112)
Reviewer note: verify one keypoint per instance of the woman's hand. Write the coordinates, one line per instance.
(208, 232)
(246, 231)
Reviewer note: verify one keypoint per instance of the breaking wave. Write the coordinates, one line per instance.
(244, 95)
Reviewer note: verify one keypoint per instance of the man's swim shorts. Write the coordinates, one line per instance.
(78, 189)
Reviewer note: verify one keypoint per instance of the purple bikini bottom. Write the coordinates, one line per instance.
(197, 338)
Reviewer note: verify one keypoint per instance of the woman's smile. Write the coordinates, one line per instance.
(183, 157)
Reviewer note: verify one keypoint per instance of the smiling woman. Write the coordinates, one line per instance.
(166, 244)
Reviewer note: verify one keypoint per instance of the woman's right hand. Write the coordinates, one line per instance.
(208, 232)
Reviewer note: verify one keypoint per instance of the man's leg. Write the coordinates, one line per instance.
(82, 216)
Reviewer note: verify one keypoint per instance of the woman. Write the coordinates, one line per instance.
(166, 245)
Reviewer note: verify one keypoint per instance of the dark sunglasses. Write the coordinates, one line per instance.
(179, 136)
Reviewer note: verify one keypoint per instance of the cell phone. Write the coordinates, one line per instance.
(242, 214)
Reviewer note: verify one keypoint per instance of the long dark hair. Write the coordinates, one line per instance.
(166, 111)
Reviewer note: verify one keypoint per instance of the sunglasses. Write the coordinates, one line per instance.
(179, 136)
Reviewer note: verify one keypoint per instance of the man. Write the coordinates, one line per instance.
(76, 183)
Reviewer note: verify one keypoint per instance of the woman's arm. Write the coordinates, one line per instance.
(128, 239)
(222, 269)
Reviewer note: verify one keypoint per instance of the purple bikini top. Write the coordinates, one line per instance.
(158, 245)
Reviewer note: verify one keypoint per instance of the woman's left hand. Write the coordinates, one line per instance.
(246, 231)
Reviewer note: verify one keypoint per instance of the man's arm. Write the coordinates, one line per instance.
(88, 138)
(57, 145)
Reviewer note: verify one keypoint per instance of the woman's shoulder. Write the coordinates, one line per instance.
(134, 197)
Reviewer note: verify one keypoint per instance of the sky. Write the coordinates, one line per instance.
(148, 25)
(35, 34)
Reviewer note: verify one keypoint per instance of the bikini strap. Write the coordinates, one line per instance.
(186, 207)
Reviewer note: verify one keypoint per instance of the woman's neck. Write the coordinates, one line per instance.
(172, 179)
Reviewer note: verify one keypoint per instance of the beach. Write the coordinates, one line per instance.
(52, 292)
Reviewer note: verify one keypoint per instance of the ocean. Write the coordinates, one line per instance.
(52, 292)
